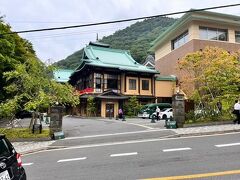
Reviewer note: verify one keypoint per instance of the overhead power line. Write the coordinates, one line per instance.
(75, 32)
(49, 22)
(118, 21)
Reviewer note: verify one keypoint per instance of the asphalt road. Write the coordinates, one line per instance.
(80, 131)
(140, 159)
(73, 126)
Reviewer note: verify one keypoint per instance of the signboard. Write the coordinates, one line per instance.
(171, 124)
(179, 97)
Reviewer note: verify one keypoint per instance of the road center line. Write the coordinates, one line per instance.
(74, 159)
(124, 154)
(226, 145)
(27, 164)
(177, 149)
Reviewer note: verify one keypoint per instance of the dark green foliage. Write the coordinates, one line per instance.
(136, 38)
(132, 107)
(13, 51)
(91, 106)
(24, 80)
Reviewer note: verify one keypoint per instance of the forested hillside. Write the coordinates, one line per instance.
(136, 38)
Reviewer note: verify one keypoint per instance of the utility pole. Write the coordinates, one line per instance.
(97, 37)
(48, 62)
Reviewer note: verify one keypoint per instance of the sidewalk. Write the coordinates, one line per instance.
(204, 130)
(30, 147)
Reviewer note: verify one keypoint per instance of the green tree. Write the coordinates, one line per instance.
(26, 82)
(133, 106)
(213, 75)
(91, 107)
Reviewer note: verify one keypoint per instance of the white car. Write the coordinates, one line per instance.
(166, 113)
(143, 115)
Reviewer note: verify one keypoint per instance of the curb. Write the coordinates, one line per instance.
(31, 139)
(208, 133)
(24, 153)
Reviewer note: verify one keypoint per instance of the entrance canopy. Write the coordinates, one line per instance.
(111, 95)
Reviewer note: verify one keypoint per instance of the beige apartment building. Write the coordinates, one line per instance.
(192, 32)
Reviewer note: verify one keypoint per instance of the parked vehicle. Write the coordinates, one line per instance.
(166, 113)
(149, 109)
(10, 162)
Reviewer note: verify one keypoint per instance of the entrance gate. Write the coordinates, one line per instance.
(110, 110)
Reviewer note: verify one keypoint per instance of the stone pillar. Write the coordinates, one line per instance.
(56, 114)
(178, 105)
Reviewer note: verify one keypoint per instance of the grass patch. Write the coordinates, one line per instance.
(23, 133)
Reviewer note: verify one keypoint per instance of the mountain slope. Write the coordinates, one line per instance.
(136, 38)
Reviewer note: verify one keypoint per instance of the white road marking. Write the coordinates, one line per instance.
(166, 138)
(124, 154)
(176, 149)
(115, 134)
(144, 126)
(226, 145)
(74, 159)
(27, 164)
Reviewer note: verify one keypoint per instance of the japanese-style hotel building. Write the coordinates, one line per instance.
(112, 75)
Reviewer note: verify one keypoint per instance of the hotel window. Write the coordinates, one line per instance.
(237, 36)
(112, 81)
(213, 34)
(145, 84)
(98, 83)
(132, 84)
(180, 40)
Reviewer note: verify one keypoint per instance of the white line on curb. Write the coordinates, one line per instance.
(27, 164)
(226, 145)
(177, 149)
(74, 159)
(124, 154)
(140, 125)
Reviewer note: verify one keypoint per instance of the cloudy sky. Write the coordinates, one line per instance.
(57, 45)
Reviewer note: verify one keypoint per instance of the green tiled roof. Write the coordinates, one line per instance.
(166, 78)
(207, 16)
(113, 58)
(62, 75)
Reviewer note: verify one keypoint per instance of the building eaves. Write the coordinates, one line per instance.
(166, 78)
(62, 75)
(124, 68)
(126, 64)
(164, 35)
